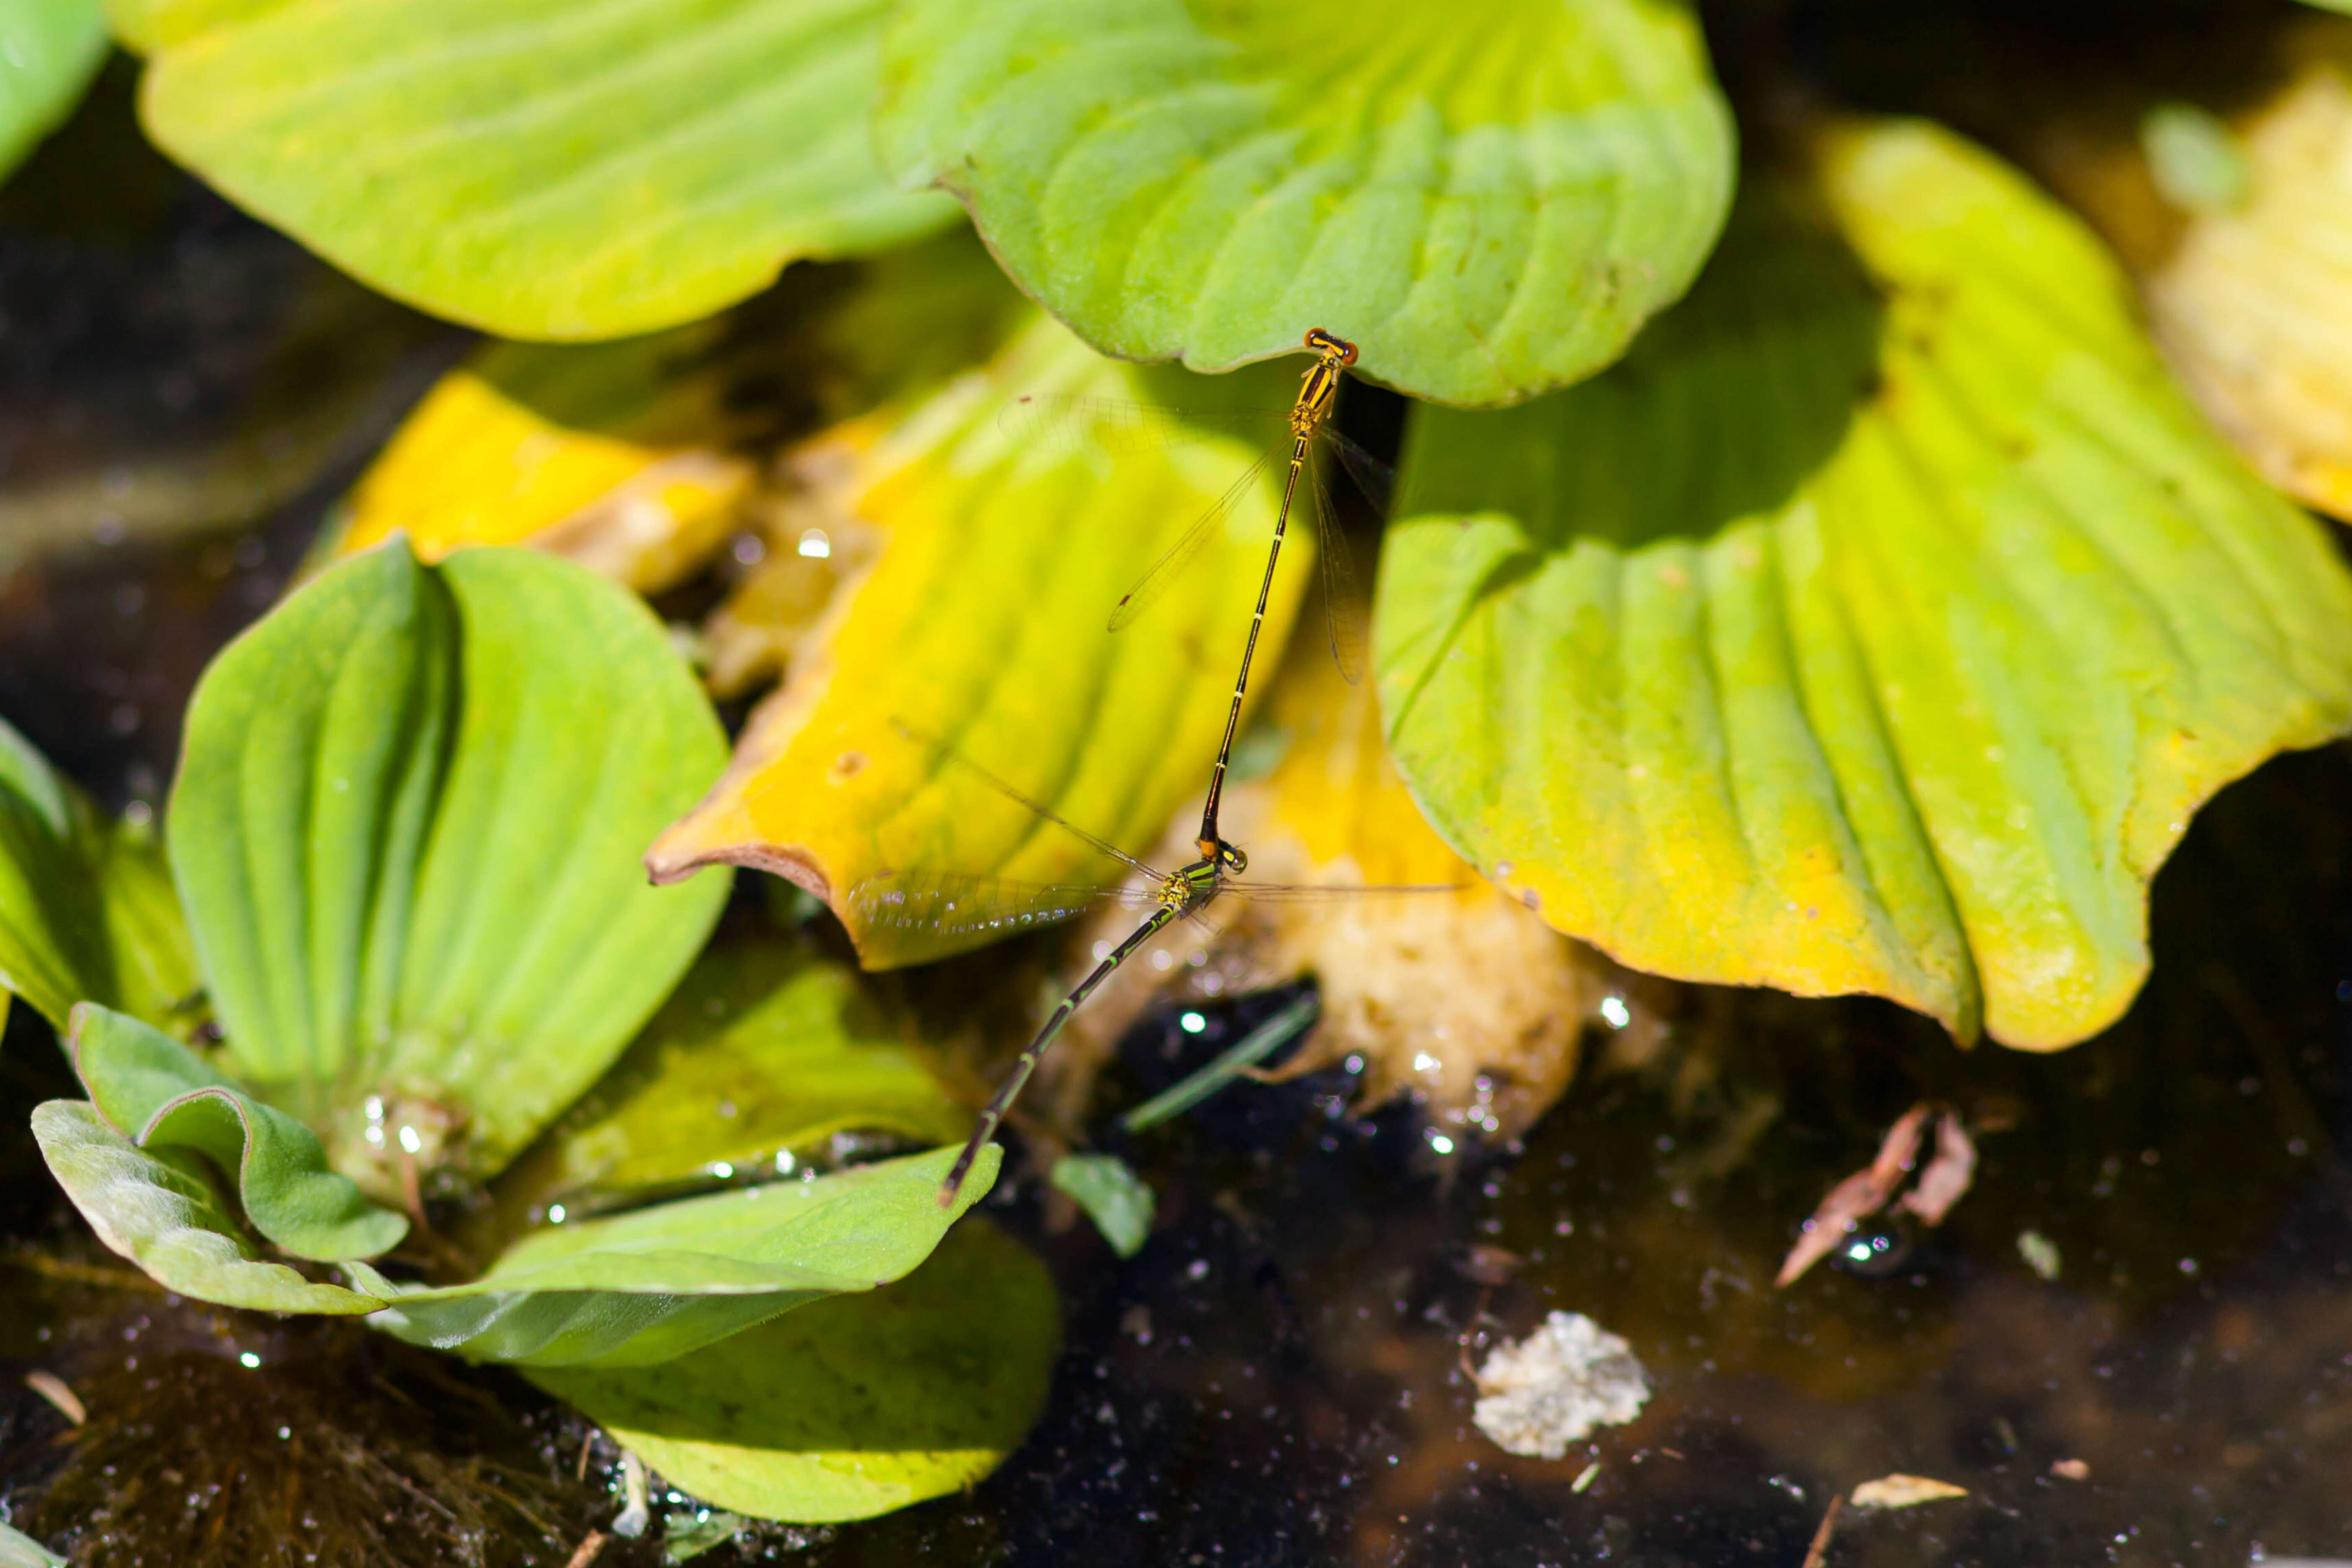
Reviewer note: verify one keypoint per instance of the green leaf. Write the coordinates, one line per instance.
(1877, 626)
(1490, 204)
(18, 1550)
(539, 169)
(2196, 163)
(1117, 1199)
(160, 1209)
(687, 1534)
(50, 50)
(86, 910)
(406, 828)
(653, 1284)
(764, 1049)
(160, 1093)
(852, 1407)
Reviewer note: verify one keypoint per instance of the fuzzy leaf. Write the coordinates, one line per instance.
(87, 910)
(852, 1407)
(538, 170)
(997, 539)
(654, 1283)
(155, 1089)
(406, 829)
(160, 1209)
(1489, 203)
(762, 1050)
(18, 1550)
(1877, 626)
(50, 50)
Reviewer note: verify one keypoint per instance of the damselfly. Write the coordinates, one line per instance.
(962, 904)
(1308, 423)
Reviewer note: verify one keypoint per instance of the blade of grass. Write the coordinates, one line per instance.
(1229, 1064)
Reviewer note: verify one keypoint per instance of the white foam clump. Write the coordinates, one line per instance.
(1540, 1394)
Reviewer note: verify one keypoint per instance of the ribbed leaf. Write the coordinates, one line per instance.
(1489, 200)
(983, 624)
(536, 168)
(1877, 626)
(406, 829)
(87, 910)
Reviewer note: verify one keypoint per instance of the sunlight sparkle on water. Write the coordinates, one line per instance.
(1614, 1010)
(815, 544)
(1191, 1023)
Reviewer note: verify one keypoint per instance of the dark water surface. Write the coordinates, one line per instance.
(1278, 1378)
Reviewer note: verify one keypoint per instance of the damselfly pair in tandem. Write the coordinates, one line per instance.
(951, 903)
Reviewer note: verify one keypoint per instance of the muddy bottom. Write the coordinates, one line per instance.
(1282, 1375)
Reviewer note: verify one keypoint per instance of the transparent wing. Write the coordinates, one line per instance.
(1153, 585)
(1106, 424)
(1301, 893)
(1372, 476)
(951, 754)
(951, 903)
(1341, 607)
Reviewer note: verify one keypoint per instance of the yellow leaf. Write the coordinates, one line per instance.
(1467, 999)
(982, 622)
(2253, 306)
(583, 452)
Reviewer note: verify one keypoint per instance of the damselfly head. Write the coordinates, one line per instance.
(1323, 343)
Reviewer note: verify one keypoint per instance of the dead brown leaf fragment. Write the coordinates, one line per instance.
(1857, 1197)
(1819, 1551)
(1900, 1490)
(53, 1388)
(1945, 1181)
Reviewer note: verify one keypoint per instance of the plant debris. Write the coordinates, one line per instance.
(52, 1387)
(1904, 1492)
(1950, 1172)
(1540, 1394)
